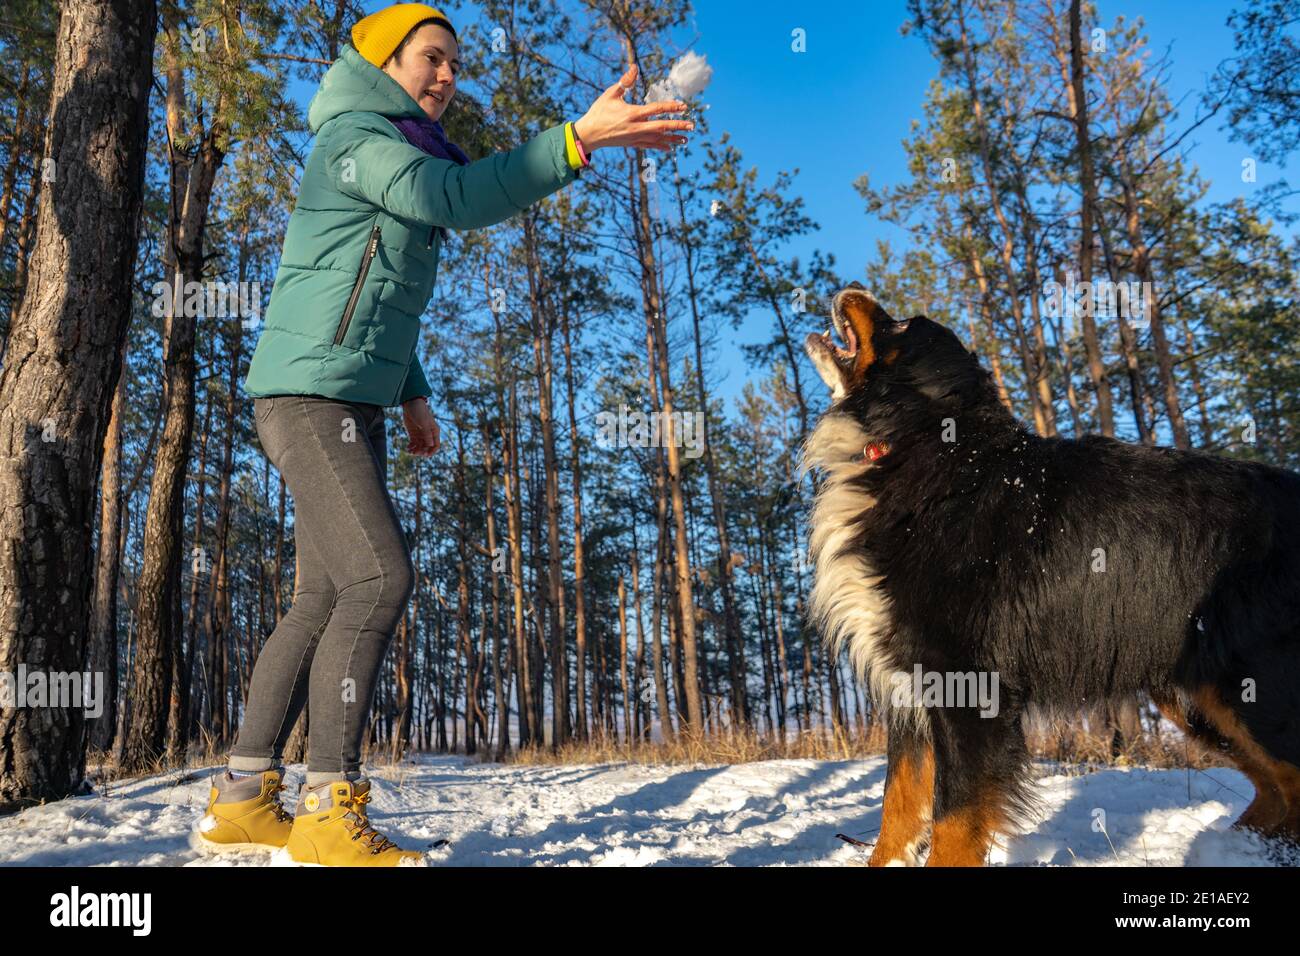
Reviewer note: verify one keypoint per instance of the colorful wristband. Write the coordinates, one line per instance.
(574, 151)
(570, 148)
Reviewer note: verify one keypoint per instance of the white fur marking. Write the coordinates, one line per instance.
(846, 602)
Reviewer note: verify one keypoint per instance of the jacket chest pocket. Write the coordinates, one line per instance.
(372, 247)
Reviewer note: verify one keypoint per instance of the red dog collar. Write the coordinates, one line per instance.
(874, 451)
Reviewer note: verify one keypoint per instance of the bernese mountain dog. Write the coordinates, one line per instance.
(976, 572)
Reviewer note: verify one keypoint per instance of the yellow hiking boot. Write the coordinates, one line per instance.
(243, 813)
(332, 828)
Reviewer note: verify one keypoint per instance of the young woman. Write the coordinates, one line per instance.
(339, 344)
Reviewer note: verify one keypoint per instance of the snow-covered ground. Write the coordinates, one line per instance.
(779, 812)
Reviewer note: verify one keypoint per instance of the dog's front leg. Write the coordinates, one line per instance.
(979, 771)
(909, 793)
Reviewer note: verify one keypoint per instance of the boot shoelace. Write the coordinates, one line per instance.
(281, 814)
(377, 842)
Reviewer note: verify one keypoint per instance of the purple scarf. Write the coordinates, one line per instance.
(426, 134)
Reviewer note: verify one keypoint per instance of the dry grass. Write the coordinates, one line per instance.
(1068, 743)
(102, 767)
(727, 747)
(1071, 743)
(1075, 743)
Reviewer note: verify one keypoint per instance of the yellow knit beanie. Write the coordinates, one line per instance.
(377, 36)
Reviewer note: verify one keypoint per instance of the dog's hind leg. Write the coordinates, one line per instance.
(980, 767)
(909, 794)
(1206, 719)
(1275, 811)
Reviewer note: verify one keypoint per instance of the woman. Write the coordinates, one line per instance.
(381, 186)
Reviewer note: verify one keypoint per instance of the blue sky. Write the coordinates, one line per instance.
(843, 107)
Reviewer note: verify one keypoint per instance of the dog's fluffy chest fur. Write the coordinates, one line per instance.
(847, 602)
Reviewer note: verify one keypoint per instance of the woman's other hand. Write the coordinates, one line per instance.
(612, 121)
(420, 426)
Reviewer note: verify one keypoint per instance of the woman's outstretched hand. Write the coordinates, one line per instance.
(612, 121)
(420, 426)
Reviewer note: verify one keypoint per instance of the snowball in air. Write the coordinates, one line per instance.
(688, 77)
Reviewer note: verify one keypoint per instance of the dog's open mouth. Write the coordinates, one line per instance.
(846, 333)
(843, 352)
(845, 356)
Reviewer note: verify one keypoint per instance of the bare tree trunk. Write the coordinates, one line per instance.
(735, 646)
(1035, 377)
(1128, 344)
(101, 655)
(1198, 387)
(440, 680)
(553, 595)
(641, 724)
(514, 531)
(540, 583)
(1141, 266)
(17, 152)
(1067, 361)
(681, 548)
(200, 603)
(500, 690)
(192, 179)
(527, 675)
(579, 557)
(779, 672)
(667, 726)
(975, 264)
(466, 643)
(622, 657)
(1078, 101)
(62, 365)
(405, 662)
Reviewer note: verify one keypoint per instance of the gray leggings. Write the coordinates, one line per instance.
(354, 580)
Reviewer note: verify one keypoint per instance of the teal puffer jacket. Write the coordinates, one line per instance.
(361, 248)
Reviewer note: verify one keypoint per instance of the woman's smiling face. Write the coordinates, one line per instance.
(426, 68)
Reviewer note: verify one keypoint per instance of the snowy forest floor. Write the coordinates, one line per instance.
(775, 812)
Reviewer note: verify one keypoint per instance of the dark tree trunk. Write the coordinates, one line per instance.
(63, 360)
(101, 654)
(159, 640)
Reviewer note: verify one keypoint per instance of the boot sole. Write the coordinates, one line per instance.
(200, 844)
(281, 857)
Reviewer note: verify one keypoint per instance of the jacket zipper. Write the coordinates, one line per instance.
(371, 249)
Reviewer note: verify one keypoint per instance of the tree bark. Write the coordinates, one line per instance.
(101, 655)
(579, 556)
(62, 365)
(1078, 101)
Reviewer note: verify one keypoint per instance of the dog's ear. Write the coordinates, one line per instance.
(860, 309)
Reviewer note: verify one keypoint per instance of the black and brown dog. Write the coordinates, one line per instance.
(950, 542)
